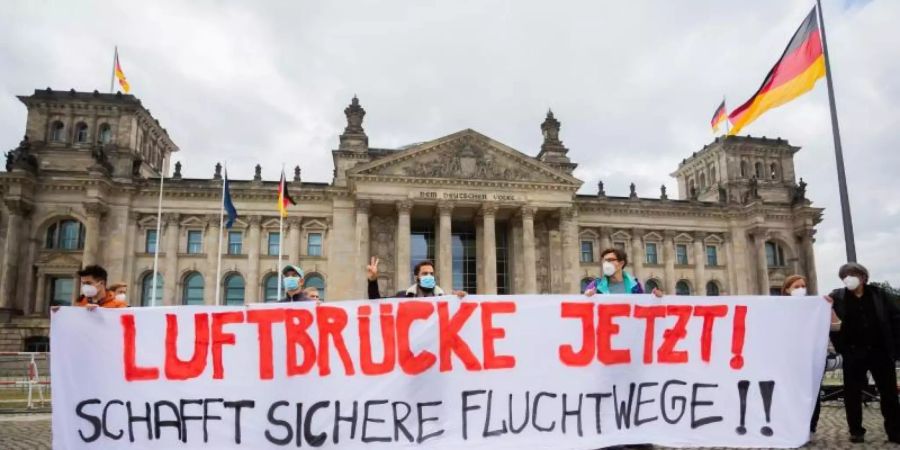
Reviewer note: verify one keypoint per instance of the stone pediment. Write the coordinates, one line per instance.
(53, 259)
(466, 155)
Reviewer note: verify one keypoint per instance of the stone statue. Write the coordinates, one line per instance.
(9, 161)
(297, 174)
(257, 173)
(21, 157)
(633, 195)
(355, 114)
(754, 188)
(136, 167)
(218, 174)
(177, 174)
(723, 195)
(662, 193)
(600, 191)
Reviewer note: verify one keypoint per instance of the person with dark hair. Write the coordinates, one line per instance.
(94, 292)
(869, 340)
(425, 286)
(614, 279)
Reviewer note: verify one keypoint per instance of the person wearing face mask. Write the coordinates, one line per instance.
(869, 340)
(94, 292)
(425, 286)
(121, 291)
(292, 281)
(614, 279)
(795, 286)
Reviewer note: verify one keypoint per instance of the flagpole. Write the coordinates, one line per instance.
(282, 183)
(162, 177)
(727, 120)
(112, 78)
(221, 231)
(849, 240)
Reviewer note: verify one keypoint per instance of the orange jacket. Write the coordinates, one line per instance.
(109, 302)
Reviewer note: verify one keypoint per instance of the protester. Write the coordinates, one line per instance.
(869, 340)
(425, 286)
(94, 292)
(292, 281)
(312, 293)
(121, 291)
(795, 286)
(614, 279)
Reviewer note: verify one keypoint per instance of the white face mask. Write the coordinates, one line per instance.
(609, 269)
(851, 282)
(121, 297)
(88, 290)
(799, 292)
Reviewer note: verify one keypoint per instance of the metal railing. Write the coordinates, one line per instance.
(24, 379)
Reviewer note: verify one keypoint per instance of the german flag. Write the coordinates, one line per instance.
(120, 75)
(802, 63)
(284, 199)
(718, 117)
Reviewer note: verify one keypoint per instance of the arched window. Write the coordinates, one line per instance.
(773, 171)
(759, 171)
(147, 285)
(585, 282)
(192, 293)
(315, 280)
(650, 285)
(743, 169)
(682, 288)
(712, 289)
(774, 254)
(57, 131)
(270, 286)
(712, 175)
(702, 180)
(65, 235)
(81, 133)
(105, 133)
(234, 289)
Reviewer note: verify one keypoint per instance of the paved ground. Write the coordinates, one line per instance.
(20, 432)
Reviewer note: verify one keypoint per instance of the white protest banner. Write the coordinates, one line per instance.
(488, 372)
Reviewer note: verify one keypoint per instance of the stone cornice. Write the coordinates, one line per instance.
(464, 182)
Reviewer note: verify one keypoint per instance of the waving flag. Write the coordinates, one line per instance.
(718, 117)
(284, 199)
(120, 75)
(229, 205)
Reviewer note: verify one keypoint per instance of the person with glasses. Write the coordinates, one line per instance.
(614, 279)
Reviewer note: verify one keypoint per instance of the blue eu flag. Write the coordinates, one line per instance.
(229, 205)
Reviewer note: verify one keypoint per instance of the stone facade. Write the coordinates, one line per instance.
(83, 186)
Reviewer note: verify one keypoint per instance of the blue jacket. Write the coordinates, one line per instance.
(632, 285)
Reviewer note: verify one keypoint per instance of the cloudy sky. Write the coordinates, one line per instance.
(634, 84)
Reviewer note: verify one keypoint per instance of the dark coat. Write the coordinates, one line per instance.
(411, 292)
(887, 309)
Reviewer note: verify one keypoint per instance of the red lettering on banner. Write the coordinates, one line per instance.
(667, 352)
(490, 333)
(650, 313)
(737, 337)
(331, 322)
(296, 332)
(567, 353)
(450, 341)
(407, 312)
(388, 340)
(264, 318)
(132, 371)
(709, 315)
(220, 338)
(605, 331)
(177, 369)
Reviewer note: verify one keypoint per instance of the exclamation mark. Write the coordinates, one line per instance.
(766, 389)
(737, 337)
(743, 387)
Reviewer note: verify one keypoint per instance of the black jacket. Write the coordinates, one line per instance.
(412, 291)
(298, 297)
(887, 308)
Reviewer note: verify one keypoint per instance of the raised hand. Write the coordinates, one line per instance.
(590, 292)
(658, 293)
(372, 268)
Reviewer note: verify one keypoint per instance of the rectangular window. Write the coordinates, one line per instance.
(274, 242)
(421, 245)
(652, 256)
(234, 242)
(619, 245)
(681, 256)
(150, 241)
(194, 241)
(462, 248)
(62, 290)
(712, 256)
(314, 244)
(587, 251)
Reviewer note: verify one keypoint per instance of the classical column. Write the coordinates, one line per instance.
(131, 230)
(293, 250)
(762, 268)
(571, 264)
(528, 250)
(94, 211)
(807, 238)
(362, 247)
(637, 253)
(669, 252)
(729, 259)
(401, 271)
(489, 241)
(40, 305)
(605, 241)
(699, 264)
(169, 271)
(17, 209)
(212, 253)
(445, 247)
(743, 256)
(251, 283)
